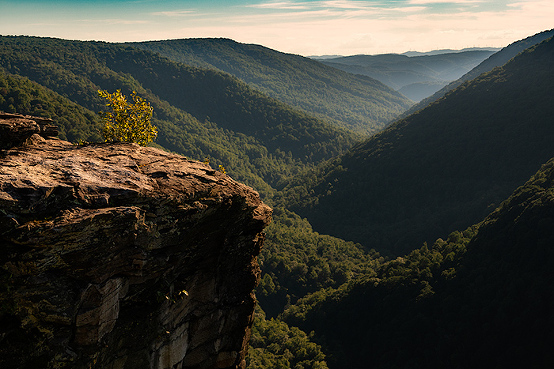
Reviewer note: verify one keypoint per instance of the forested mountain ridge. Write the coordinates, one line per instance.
(495, 60)
(442, 168)
(480, 299)
(199, 112)
(414, 76)
(355, 102)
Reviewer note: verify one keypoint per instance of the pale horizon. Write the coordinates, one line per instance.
(308, 28)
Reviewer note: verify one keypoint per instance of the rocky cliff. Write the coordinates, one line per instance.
(121, 256)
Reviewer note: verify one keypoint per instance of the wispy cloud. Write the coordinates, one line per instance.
(280, 5)
(346, 8)
(451, 2)
(347, 4)
(316, 5)
(174, 13)
(114, 21)
(407, 9)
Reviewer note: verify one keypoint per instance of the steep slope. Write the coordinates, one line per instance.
(495, 60)
(480, 299)
(121, 256)
(415, 76)
(200, 112)
(357, 103)
(442, 168)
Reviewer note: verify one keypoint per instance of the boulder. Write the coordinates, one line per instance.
(15, 129)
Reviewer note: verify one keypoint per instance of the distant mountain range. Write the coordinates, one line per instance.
(415, 75)
(415, 53)
(355, 102)
(449, 51)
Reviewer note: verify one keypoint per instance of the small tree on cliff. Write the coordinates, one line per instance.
(128, 121)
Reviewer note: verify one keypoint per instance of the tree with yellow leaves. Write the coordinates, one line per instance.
(128, 121)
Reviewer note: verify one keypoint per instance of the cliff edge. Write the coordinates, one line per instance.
(120, 256)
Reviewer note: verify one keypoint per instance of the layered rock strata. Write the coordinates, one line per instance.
(17, 128)
(120, 256)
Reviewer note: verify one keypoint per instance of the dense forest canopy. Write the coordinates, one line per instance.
(480, 299)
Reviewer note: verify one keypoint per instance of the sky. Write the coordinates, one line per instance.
(305, 27)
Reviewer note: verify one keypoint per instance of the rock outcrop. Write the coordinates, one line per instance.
(16, 129)
(121, 256)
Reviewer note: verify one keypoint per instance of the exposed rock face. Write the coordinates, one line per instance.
(120, 256)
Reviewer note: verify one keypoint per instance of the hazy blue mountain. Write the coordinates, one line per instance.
(418, 76)
(449, 51)
(420, 90)
(355, 102)
(320, 57)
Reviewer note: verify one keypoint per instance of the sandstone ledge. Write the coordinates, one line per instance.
(120, 256)
(17, 128)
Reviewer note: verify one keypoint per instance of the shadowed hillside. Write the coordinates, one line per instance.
(495, 60)
(480, 299)
(441, 169)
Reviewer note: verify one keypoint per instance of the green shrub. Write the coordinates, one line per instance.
(127, 122)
